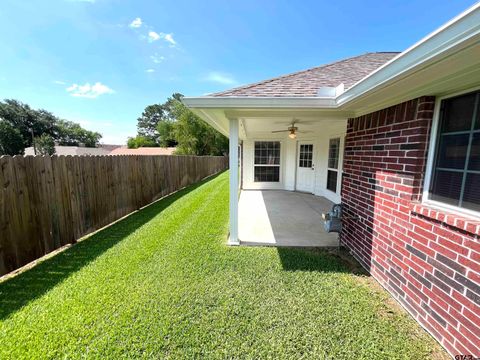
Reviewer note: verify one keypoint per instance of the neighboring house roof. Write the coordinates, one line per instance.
(306, 83)
(75, 150)
(109, 147)
(143, 151)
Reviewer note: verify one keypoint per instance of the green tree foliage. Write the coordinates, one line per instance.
(11, 141)
(69, 133)
(33, 123)
(196, 137)
(140, 141)
(153, 114)
(45, 145)
(166, 133)
(173, 124)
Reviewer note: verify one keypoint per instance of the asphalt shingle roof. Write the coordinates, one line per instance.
(306, 83)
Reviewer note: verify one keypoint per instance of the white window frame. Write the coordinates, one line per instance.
(431, 158)
(280, 179)
(339, 167)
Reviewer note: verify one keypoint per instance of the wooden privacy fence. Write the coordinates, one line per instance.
(47, 202)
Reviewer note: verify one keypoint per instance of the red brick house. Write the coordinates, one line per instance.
(394, 138)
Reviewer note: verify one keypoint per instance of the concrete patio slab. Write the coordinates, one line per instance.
(283, 218)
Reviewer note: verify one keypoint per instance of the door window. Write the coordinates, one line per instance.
(305, 159)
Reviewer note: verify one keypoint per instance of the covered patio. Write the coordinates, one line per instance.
(283, 218)
(286, 138)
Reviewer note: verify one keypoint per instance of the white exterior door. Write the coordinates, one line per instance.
(305, 167)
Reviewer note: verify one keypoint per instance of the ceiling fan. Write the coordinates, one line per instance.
(292, 130)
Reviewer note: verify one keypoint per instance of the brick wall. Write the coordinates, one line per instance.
(428, 260)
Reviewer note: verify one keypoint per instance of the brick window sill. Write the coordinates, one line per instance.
(448, 217)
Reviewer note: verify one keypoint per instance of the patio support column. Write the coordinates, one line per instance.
(233, 165)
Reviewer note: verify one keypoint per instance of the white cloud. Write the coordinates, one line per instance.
(59, 82)
(169, 38)
(150, 70)
(157, 59)
(89, 1)
(220, 78)
(89, 91)
(153, 36)
(136, 23)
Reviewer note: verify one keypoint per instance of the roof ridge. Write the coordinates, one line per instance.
(266, 81)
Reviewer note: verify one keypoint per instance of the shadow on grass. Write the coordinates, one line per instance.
(33, 283)
(318, 259)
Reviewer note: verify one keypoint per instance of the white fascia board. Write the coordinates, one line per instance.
(259, 102)
(453, 34)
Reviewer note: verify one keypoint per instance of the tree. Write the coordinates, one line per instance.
(140, 141)
(173, 124)
(68, 133)
(166, 133)
(147, 124)
(194, 136)
(27, 120)
(11, 141)
(45, 145)
(33, 123)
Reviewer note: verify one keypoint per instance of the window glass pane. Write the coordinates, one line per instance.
(267, 152)
(458, 113)
(306, 155)
(471, 194)
(333, 152)
(446, 186)
(474, 162)
(267, 173)
(452, 151)
(332, 180)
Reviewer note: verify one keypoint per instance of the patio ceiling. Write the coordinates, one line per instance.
(267, 125)
(255, 121)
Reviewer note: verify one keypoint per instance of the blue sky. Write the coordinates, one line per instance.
(100, 62)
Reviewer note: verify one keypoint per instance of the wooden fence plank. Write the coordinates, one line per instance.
(47, 202)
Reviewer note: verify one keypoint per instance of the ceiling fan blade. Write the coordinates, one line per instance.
(304, 132)
(296, 122)
(306, 122)
(278, 131)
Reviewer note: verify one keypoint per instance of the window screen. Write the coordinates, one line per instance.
(332, 171)
(267, 161)
(456, 171)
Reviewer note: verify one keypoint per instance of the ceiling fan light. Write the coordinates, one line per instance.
(292, 135)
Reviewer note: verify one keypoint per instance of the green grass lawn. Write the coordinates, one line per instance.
(163, 284)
